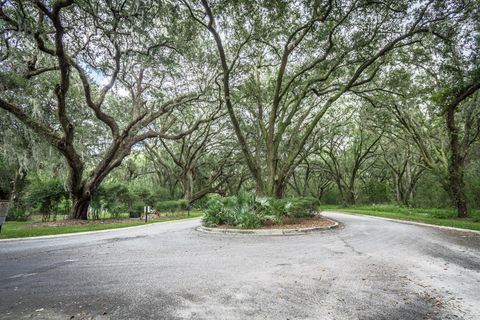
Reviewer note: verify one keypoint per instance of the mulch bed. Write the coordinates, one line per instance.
(312, 222)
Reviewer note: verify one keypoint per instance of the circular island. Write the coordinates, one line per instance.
(248, 214)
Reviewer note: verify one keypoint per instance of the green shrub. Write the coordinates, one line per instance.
(171, 205)
(213, 213)
(202, 203)
(119, 198)
(247, 211)
(45, 196)
(248, 220)
(271, 209)
(234, 210)
(17, 214)
(301, 207)
(115, 198)
(146, 196)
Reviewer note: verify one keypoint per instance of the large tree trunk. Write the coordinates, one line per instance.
(279, 189)
(456, 166)
(18, 184)
(403, 194)
(260, 188)
(346, 193)
(188, 185)
(80, 207)
(458, 190)
(398, 188)
(350, 197)
(412, 175)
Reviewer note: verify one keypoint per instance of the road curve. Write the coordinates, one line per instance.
(368, 269)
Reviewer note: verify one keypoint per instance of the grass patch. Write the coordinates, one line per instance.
(14, 229)
(441, 216)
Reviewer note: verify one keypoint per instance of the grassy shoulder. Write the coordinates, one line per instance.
(14, 229)
(440, 217)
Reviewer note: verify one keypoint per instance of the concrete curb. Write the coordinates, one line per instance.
(81, 233)
(267, 232)
(407, 222)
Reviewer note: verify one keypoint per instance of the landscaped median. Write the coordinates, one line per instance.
(440, 217)
(14, 229)
(309, 225)
(247, 213)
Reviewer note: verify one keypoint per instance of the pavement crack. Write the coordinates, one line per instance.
(350, 246)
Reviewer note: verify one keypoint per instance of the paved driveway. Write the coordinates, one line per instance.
(368, 269)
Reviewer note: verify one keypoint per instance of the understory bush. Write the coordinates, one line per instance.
(300, 207)
(119, 198)
(47, 196)
(17, 214)
(171, 205)
(247, 211)
(114, 198)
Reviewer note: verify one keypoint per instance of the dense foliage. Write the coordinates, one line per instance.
(172, 205)
(110, 106)
(248, 211)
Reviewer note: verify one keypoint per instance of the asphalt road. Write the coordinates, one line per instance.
(367, 269)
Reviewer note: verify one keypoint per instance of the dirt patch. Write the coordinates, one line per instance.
(311, 222)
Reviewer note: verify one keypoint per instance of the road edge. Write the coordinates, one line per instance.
(81, 233)
(406, 221)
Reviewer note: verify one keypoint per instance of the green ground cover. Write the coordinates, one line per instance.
(16, 229)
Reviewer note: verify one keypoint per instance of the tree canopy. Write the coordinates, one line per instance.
(347, 101)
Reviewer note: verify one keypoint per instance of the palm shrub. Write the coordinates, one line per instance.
(248, 220)
(213, 213)
(271, 209)
(202, 203)
(248, 211)
(234, 210)
(245, 211)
